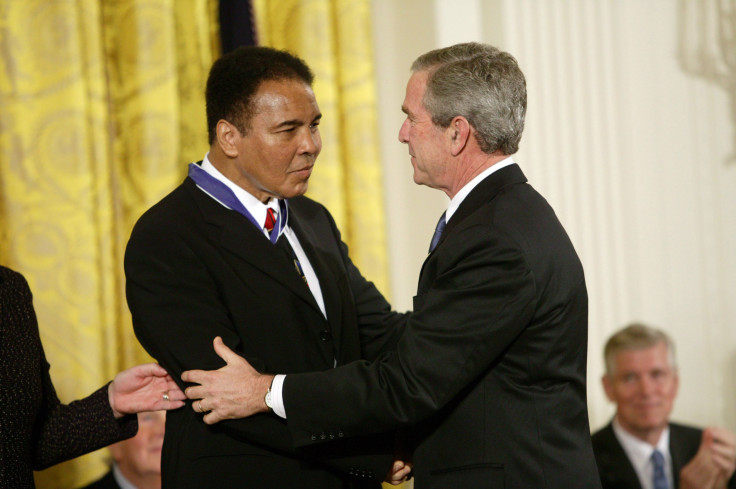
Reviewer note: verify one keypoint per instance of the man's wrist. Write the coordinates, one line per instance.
(267, 399)
(267, 404)
(111, 400)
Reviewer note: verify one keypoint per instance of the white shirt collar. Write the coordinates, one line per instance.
(256, 208)
(120, 478)
(460, 196)
(640, 452)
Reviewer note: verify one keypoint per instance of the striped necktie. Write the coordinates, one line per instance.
(659, 478)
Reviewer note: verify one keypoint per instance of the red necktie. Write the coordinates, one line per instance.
(270, 220)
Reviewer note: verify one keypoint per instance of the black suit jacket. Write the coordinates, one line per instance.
(491, 367)
(196, 270)
(616, 470)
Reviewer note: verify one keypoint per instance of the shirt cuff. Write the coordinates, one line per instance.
(277, 398)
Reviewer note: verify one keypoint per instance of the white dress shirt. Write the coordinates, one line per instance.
(640, 454)
(258, 210)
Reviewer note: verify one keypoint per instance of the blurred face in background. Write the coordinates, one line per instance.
(139, 458)
(643, 384)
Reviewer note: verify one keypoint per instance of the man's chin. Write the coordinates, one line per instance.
(295, 192)
(418, 179)
(650, 424)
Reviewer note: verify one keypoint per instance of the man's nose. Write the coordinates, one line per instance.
(310, 143)
(404, 132)
(646, 385)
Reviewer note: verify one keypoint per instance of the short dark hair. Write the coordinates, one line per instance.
(236, 77)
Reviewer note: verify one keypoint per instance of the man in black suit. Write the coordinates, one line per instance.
(237, 252)
(489, 373)
(641, 448)
(137, 460)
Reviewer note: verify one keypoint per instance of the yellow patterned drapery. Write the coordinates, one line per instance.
(334, 37)
(101, 107)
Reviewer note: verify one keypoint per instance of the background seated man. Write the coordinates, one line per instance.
(137, 460)
(641, 448)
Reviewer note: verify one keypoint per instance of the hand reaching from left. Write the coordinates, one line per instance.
(236, 390)
(146, 387)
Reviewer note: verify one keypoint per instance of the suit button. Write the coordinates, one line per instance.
(322, 436)
(314, 437)
(332, 436)
(325, 335)
(340, 434)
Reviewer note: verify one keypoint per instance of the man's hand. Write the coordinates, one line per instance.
(722, 445)
(714, 464)
(146, 387)
(236, 390)
(398, 473)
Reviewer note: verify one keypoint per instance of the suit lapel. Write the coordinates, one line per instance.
(484, 192)
(615, 467)
(241, 238)
(679, 453)
(327, 275)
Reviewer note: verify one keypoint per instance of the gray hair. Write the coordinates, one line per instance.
(636, 336)
(481, 83)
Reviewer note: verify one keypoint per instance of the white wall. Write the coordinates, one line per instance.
(631, 147)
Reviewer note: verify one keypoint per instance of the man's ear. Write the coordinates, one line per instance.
(608, 387)
(675, 373)
(228, 137)
(459, 134)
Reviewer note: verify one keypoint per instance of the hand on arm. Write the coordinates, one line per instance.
(236, 390)
(146, 387)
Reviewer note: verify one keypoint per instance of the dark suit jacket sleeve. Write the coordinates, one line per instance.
(68, 431)
(52, 432)
(481, 298)
(178, 310)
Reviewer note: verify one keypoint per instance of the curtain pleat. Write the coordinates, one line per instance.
(101, 107)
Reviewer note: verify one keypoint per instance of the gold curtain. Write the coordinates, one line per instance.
(334, 38)
(101, 107)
